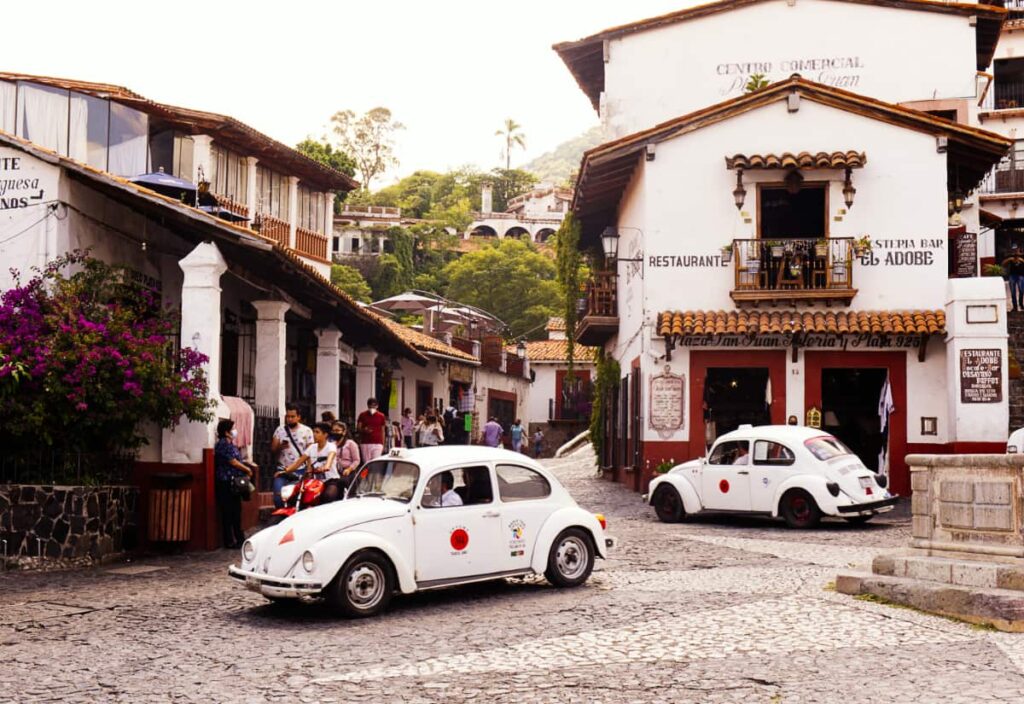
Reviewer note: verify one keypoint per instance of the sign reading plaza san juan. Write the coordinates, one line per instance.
(981, 376)
(667, 402)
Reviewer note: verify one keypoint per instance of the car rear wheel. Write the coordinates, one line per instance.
(668, 504)
(799, 509)
(363, 586)
(571, 559)
(859, 520)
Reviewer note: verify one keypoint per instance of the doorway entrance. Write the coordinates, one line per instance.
(849, 410)
(734, 397)
(424, 397)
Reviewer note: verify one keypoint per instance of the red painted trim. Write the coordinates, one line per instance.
(560, 374)
(896, 364)
(501, 395)
(701, 361)
(204, 527)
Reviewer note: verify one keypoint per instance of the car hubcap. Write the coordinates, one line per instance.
(365, 585)
(801, 509)
(668, 503)
(571, 557)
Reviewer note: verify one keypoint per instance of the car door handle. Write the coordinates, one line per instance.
(491, 514)
(743, 472)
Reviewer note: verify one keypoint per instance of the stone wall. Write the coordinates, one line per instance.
(66, 522)
(556, 434)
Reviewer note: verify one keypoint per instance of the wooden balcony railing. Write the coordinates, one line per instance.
(240, 209)
(310, 243)
(274, 228)
(793, 269)
(599, 309)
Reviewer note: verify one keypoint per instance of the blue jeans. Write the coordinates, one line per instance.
(1017, 291)
(279, 483)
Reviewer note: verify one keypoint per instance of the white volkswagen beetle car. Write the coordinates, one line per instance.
(795, 472)
(422, 519)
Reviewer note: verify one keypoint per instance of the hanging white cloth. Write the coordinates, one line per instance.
(768, 392)
(885, 406)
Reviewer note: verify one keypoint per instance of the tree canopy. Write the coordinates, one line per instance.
(369, 138)
(511, 280)
(349, 280)
(512, 133)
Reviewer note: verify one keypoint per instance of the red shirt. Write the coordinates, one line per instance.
(372, 427)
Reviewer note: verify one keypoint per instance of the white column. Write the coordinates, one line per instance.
(271, 345)
(366, 377)
(293, 209)
(328, 371)
(200, 330)
(202, 156)
(975, 320)
(329, 224)
(252, 197)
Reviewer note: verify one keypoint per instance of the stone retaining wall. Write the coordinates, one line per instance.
(66, 522)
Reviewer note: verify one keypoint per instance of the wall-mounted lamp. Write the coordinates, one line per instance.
(956, 201)
(848, 190)
(610, 245)
(521, 349)
(739, 194)
(649, 152)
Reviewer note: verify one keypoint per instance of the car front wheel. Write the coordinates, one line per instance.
(571, 559)
(362, 587)
(799, 509)
(668, 505)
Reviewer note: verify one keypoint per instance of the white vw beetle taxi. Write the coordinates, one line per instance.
(422, 519)
(795, 472)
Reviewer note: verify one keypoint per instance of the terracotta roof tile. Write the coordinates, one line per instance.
(555, 325)
(679, 324)
(555, 351)
(425, 343)
(803, 160)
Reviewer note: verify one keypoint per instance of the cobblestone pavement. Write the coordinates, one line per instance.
(711, 610)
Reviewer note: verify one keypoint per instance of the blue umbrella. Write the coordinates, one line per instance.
(168, 185)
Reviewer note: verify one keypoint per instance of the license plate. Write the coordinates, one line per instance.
(252, 583)
(865, 482)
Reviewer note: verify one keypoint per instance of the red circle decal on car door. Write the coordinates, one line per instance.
(459, 539)
(723, 486)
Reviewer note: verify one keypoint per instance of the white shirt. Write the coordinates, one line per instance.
(319, 457)
(450, 498)
(303, 438)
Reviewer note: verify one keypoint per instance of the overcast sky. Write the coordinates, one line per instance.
(450, 70)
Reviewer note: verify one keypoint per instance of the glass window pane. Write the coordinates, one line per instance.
(161, 152)
(517, 483)
(731, 452)
(43, 116)
(129, 137)
(8, 103)
(87, 131)
(183, 156)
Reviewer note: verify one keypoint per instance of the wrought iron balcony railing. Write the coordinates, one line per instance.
(793, 268)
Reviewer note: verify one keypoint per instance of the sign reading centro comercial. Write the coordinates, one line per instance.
(838, 71)
(981, 376)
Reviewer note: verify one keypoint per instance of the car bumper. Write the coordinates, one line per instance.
(870, 507)
(279, 587)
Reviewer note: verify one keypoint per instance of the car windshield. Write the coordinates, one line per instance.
(826, 447)
(386, 478)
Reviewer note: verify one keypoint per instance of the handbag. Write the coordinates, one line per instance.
(241, 486)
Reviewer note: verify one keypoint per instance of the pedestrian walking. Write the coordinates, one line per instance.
(430, 432)
(408, 427)
(492, 432)
(370, 426)
(517, 433)
(287, 445)
(538, 442)
(1014, 266)
(347, 459)
(228, 465)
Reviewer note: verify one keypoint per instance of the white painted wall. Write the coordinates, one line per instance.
(544, 388)
(659, 74)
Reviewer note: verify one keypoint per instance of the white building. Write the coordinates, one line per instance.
(535, 215)
(744, 297)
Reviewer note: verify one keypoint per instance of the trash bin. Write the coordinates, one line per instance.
(170, 508)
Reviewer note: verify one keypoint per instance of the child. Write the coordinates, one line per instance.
(538, 442)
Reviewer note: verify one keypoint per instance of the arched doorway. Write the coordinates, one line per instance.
(483, 231)
(544, 234)
(517, 232)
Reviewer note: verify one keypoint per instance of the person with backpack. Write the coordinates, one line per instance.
(287, 445)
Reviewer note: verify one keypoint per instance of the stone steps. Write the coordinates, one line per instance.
(942, 570)
(1000, 608)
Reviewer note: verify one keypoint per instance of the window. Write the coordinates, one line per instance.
(393, 480)
(129, 138)
(471, 485)
(43, 116)
(272, 192)
(787, 214)
(88, 131)
(8, 105)
(826, 447)
(311, 209)
(767, 452)
(730, 452)
(230, 174)
(517, 483)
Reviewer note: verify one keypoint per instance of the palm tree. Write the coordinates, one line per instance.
(514, 137)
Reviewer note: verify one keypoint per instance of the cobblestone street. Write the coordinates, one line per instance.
(716, 610)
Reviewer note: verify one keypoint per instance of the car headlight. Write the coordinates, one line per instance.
(308, 563)
(248, 551)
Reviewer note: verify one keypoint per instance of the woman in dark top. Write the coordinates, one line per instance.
(227, 464)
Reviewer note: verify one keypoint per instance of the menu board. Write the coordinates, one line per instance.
(667, 402)
(981, 376)
(965, 255)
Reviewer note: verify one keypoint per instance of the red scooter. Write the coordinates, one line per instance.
(304, 494)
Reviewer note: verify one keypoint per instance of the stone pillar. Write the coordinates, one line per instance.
(252, 196)
(202, 157)
(486, 198)
(271, 343)
(329, 224)
(293, 209)
(976, 324)
(200, 330)
(366, 377)
(328, 371)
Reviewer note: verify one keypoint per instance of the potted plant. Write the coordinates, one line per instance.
(821, 248)
(776, 248)
(862, 245)
(993, 270)
(664, 466)
(727, 253)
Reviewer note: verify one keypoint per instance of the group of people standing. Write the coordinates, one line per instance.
(332, 455)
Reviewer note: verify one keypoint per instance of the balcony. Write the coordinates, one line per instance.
(1005, 178)
(599, 314)
(311, 244)
(793, 270)
(1004, 94)
(240, 210)
(275, 229)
